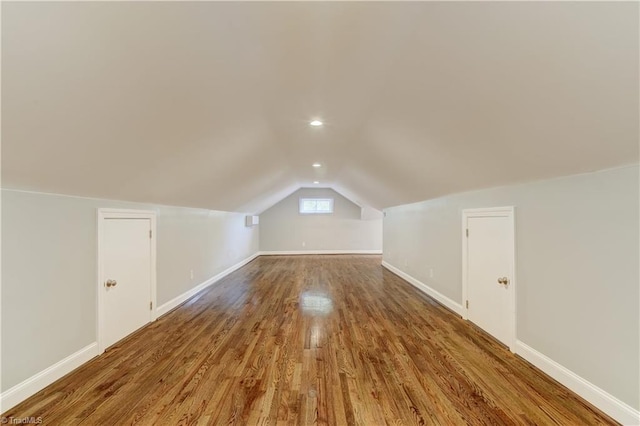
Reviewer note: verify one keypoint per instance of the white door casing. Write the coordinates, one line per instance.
(488, 259)
(126, 259)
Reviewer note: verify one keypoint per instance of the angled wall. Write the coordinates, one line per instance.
(284, 229)
(577, 268)
(49, 270)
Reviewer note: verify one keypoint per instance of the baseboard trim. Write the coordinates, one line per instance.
(618, 410)
(606, 402)
(299, 252)
(18, 393)
(34, 384)
(165, 308)
(439, 297)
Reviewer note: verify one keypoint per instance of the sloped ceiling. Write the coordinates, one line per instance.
(207, 104)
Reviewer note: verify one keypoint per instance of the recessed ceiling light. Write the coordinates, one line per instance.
(316, 165)
(316, 123)
(316, 182)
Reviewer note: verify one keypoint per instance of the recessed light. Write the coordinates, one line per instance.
(316, 123)
(316, 165)
(316, 182)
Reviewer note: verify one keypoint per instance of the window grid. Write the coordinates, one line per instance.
(316, 205)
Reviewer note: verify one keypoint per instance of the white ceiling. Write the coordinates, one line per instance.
(207, 104)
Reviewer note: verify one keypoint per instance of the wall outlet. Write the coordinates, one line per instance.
(406, 262)
(191, 274)
(430, 272)
(304, 244)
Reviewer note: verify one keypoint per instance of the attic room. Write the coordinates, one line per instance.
(338, 213)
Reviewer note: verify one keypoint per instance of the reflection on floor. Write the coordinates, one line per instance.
(309, 339)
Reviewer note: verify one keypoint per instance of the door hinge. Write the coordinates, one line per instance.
(467, 232)
(150, 233)
(150, 306)
(467, 304)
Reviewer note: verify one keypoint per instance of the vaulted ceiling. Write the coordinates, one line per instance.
(208, 104)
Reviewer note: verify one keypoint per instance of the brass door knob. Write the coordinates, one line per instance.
(503, 281)
(111, 283)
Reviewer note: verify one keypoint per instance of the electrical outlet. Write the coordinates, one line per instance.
(430, 272)
(406, 262)
(304, 244)
(191, 274)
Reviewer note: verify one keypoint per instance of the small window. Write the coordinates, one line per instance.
(316, 205)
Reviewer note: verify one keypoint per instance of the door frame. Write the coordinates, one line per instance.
(102, 215)
(509, 212)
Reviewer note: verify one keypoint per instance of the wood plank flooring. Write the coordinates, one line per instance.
(332, 340)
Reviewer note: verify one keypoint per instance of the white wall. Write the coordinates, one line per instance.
(283, 228)
(577, 267)
(49, 270)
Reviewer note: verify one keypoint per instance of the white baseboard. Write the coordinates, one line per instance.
(177, 301)
(439, 297)
(32, 385)
(606, 402)
(15, 395)
(296, 252)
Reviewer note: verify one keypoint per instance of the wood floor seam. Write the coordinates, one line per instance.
(306, 340)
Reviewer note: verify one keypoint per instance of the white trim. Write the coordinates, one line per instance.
(606, 402)
(489, 211)
(36, 383)
(297, 252)
(107, 213)
(18, 393)
(177, 301)
(439, 297)
(509, 212)
(301, 201)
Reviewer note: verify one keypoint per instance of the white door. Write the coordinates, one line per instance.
(126, 254)
(490, 291)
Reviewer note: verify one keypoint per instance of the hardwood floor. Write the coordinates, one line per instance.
(332, 340)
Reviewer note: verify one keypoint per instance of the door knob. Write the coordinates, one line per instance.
(111, 283)
(503, 280)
